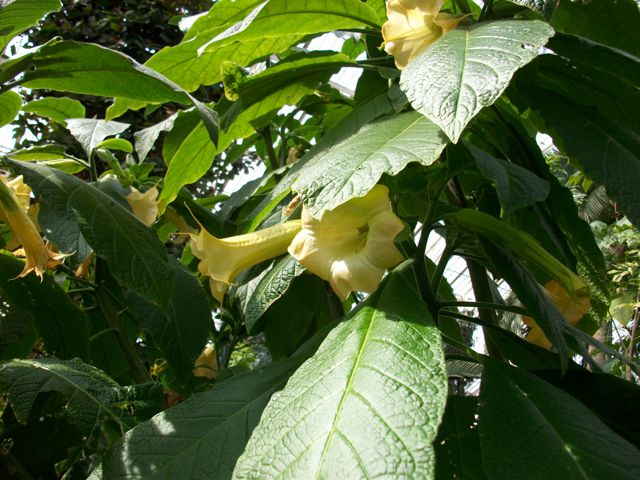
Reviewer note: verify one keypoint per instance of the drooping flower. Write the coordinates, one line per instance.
(144, 205)
(352, 245)
(573, 308)
(412, 26)
(223, 259)
(206, 365)
(14, 213)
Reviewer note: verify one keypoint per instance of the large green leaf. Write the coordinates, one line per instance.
(18, 15)
(534, 430)
(135, 255)
(468, 69)
(57, 109)
(203, 436)
(604, 149)
(89, 393)
(612, 22)
(196, 152)
(180, 334)
(352, 167)
(91, 132)
(10, 103)
(44, 305)
(366, 405)
(269, 287)
(543, 7)
(591, 74)
(516, 187)
(458, 443)
(94, 70)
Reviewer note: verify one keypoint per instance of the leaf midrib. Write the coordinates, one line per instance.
(345, 394)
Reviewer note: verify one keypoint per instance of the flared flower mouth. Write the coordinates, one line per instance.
(144, 205)
(352, 245)
(412, 26)
(13, 211)
(572, 307)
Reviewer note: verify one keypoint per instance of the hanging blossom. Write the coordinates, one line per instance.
(572, 308)
(412, 26)
(352, 245)
(223, 259)
(144, 205)
(14, 202)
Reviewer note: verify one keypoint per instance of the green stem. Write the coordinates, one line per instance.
(272, 158)
(487, 7)
(436, 278)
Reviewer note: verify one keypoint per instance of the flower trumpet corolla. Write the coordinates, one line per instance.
(352, 245)
(144, 205)
(412, 26)
(13, 213)
(572, 308)
(223, 259)
(206, 365)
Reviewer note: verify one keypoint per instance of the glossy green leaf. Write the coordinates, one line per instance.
(352, 167)
(611, 22)
(89, 394)
(146, 138)
(50, 155)
(91, 132)
(269, 287)
(57, 109)
(246, 31)
(604, 149)
(203, 436)
(591, 74)
(45, 306)
(532, 429)
(135, 255)
(366, 405)
(468, 69)
(180, 334)
(457, 445)
(517, 187)
(94, 70)
(196, 152)
(18, 15)
(119, 144)
(10, 104)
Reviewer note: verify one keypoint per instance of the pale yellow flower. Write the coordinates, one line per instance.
(144, 205)
(352, 245)
(222, 260)
(206, 365)
(412, 26)
(13, 212)
(573, 308)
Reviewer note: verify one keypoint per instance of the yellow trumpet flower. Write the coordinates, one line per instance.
(572, 309)
(144, 205)
(412, 26)
(222, 260)
(13, 213)
(352, 245)
(206, 365)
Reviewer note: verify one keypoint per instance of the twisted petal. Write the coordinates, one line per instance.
(352, 245)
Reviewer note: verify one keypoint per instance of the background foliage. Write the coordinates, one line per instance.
(120, 363)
